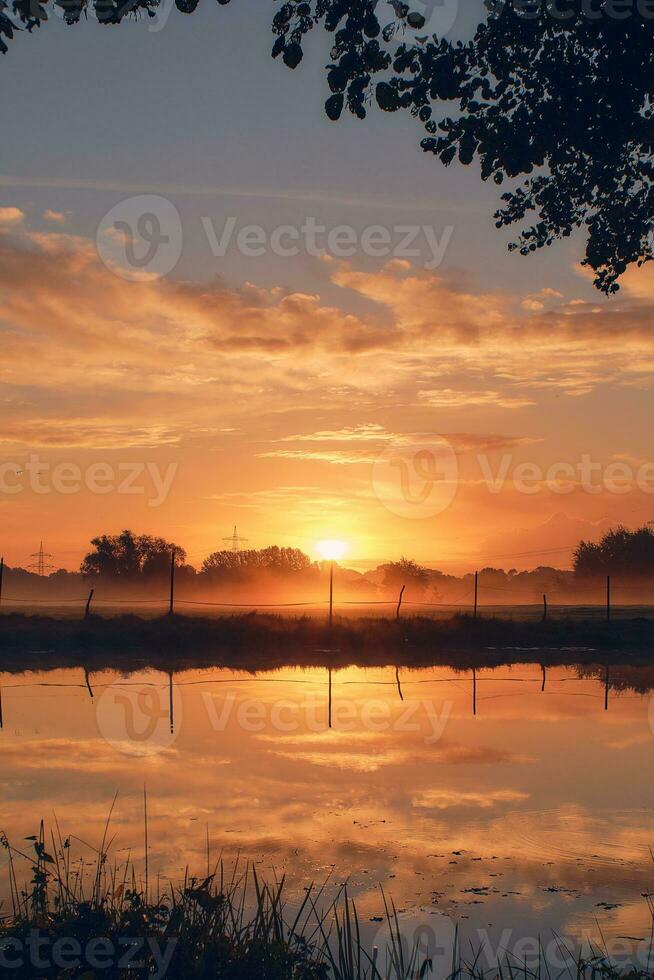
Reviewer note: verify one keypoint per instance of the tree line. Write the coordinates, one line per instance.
(138, 562)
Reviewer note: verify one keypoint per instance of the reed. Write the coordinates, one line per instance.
(222, 926)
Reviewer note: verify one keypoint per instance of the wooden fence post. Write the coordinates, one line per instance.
(171, 607)
(399, 602)
(87, 611)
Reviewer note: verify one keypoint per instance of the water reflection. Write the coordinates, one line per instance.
(511, 797)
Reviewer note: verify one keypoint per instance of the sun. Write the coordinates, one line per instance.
(331, 550)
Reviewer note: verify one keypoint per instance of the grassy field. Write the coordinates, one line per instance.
(255, 641)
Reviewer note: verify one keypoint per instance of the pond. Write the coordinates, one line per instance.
(514, 802)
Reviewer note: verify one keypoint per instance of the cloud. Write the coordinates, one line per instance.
(180, 358)
(11, 216)
(337, 457)
(370, 432)
(462, 443)
(449, 398)
(57, 217)
(444, 799)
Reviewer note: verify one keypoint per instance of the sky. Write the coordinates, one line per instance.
(442, 399)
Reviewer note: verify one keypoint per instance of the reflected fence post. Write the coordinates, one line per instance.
(171, 710)
(329, 704)
(331, 593)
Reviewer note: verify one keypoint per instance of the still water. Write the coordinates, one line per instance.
(515, 798)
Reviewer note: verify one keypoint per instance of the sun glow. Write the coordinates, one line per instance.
(331, 550)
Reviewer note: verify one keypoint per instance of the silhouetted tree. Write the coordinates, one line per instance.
(558, 96)
(235, 564)
(130, 556)
(406, 572)
(620, 552)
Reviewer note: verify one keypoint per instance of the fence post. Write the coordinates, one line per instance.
(87, 611)
(399, 602)
(476, 593)
(608, 598)
(544, 608)
(171, 607)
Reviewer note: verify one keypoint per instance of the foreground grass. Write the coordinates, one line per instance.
(107, 923)
(257, 641)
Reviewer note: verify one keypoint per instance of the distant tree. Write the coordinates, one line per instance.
(629, 553)
(239, 564)
(556, 95)
(406, 572)
(130, 556)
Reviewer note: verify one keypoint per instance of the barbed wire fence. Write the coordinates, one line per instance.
(479, 600)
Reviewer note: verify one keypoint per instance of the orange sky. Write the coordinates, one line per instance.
(268, 408)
